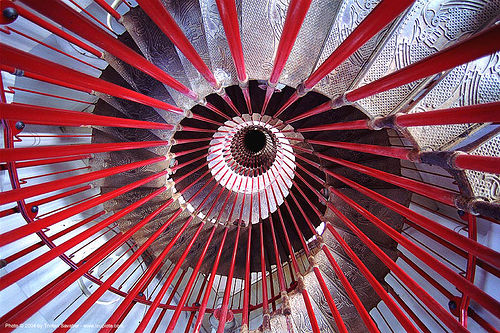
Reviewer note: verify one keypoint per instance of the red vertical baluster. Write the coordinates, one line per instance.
(297, 10)
(64, 15)
(27, 62)
(460, 53)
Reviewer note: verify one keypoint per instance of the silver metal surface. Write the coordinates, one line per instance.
(429, 26)
(350, 14)
(218, 49)
(262, 24)
(310, 40)
(474, 83)
(486, 185)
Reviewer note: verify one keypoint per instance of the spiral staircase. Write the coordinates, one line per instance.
(250, 165)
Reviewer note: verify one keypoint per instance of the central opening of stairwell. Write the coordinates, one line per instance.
(255, 140)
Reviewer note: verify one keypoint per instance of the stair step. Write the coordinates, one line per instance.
(158, 49)
(350, 14)
(417, 38)
(387, 215)
(218, 49)
(187, 14)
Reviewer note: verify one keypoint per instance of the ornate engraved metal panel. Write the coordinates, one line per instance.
(351, 13)
(300, 316)
(474, 83)
(279, 324)
(348, 312)
(262, 23)
(158, 49)
(429, 26)
(486, 185)
(220, 56)
(310, 40)
(187, 14)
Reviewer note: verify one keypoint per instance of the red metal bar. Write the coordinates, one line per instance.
(48, 161)
(24, 180)
(63, 232)
(54, 81)
(441, 195)
(191, 316)
(95, 19)
(395, 152)
(348, 125)
(53, 253)
(370, 324)
(460, 53)
(426, 276)
(6, 324)
(469, 245)
(470, 271)
(38, 225)
(229, 17)
(229, 102)
(314, 111)
(32, 114)
(295, 15)
(9, 29)
(484, 324)
(408, 310)
(417, 290)
(34, 190)
(104, 5)
(225, 301)
(480, 113)
(64, 15)
(248, 102)
(326, 292)
(247, 286)
(446, 317)
(31, 153)
(487, 267)
(160, 295)
(208, 288)
(159, 14)
(28, 309)
(47, 199)
(296, 12)
(487, 164)
(265, 305)
(139, 285)
(460, 282)
(52, 28)
(27, 62)
(331, 304)
(152, 308)
(190, 283)
(121, 310)
(383, 14)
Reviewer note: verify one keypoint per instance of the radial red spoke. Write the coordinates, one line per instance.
(460, 53)
(43, 68)
(158, 13)
(229, 17)
(68, 18)
(384, 13)
(295, 15)
(32, 114)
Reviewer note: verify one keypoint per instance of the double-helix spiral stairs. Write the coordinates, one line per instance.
(246, 212)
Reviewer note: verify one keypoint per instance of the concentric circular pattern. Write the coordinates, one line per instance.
(257, 157)
(253, 148)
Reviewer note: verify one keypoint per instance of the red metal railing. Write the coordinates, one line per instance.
(99, 225)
